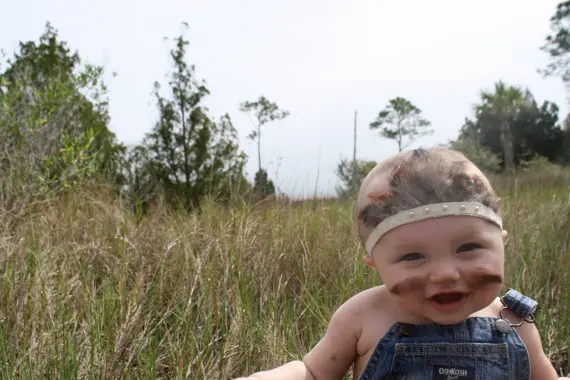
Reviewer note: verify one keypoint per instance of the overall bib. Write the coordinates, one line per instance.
(475, 349)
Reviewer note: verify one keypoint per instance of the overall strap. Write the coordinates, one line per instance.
(521, 305)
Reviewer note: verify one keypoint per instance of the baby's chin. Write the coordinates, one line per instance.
(450, 319)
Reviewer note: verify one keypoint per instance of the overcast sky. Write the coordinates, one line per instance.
(321, 60)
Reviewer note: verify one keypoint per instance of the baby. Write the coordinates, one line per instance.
(431, 224)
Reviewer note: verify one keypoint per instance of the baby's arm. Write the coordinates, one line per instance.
(332, 357)
(540, 367)
(291, 371)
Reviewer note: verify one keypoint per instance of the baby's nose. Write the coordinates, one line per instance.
(444, 273)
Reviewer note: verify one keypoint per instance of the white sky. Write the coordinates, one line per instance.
(320, 60)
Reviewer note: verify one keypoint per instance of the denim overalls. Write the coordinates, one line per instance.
(477, 348)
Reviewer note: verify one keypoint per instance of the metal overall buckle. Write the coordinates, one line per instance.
(504, 325)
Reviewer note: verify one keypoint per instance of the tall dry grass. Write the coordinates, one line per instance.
(90, 290)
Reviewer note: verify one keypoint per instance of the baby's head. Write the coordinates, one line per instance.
(431, 223)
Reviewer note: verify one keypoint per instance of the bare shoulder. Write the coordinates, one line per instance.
(377, 316)
(371, 299)
(337, 351)
(371, 304)
(364, 303)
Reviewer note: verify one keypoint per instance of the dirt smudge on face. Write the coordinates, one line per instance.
(477, 278)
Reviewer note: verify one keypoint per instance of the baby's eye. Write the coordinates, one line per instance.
(468, 247)
(411, 256)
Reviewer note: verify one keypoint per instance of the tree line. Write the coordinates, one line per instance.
(54, 130)
(508, 129)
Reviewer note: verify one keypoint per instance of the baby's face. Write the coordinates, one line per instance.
(444, 269)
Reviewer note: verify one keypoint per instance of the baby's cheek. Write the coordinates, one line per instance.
(405, 285)
(484, 274)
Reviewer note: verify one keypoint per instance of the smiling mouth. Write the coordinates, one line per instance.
(448, 298)
(448, 302)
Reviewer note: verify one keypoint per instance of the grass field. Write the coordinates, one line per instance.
(89, 290)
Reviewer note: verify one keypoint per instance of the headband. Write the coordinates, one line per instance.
(431, 211)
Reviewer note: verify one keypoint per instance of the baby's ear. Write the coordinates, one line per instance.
(505, 235)
(368, 261)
